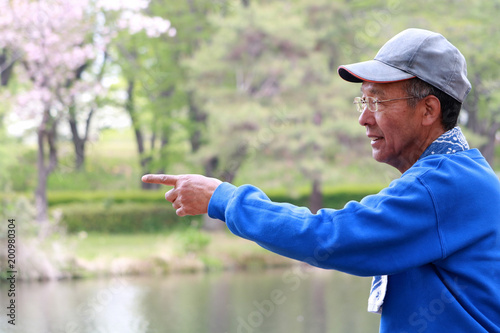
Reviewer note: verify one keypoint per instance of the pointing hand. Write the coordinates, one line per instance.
(191, 193)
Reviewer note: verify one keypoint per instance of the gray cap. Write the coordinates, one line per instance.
(415, 53)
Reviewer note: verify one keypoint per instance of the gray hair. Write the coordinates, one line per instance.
(450, 107)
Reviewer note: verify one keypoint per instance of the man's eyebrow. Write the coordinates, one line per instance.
(374, 91)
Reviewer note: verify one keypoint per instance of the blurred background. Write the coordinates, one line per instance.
(96, 93)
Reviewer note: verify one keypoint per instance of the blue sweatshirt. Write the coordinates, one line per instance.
(435, 231)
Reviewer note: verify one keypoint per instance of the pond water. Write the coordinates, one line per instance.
(296, 300)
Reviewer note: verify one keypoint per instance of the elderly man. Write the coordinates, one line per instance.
(432, 238)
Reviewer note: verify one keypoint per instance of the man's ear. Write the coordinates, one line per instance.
(432, 110)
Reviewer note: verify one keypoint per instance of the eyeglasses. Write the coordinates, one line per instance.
(372, 103)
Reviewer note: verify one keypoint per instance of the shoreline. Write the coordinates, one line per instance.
(105, 255)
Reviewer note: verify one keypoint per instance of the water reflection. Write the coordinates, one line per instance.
(292, 301)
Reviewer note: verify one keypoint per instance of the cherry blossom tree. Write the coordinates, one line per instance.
(58, 41)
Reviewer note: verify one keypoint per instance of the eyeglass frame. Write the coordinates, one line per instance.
(359, 101)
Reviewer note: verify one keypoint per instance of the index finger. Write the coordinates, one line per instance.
(170, 180)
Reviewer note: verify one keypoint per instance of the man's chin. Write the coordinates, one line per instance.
(377, 156)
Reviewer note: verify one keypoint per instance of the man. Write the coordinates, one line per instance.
(432, 238)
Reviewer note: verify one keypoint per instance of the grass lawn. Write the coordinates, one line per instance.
(95, 245)
(178, 251)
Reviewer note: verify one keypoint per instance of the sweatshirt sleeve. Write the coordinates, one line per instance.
(385, 233)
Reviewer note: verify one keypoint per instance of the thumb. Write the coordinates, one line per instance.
(170, 180)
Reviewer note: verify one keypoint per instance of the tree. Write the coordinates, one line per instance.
(58, 40)
(266, 87)
(151, 94)
(48, 62)
(114, 20)
(162, 112)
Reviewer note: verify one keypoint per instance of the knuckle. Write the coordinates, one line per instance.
(170, 196)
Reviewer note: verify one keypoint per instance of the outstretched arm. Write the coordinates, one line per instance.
(191, 193)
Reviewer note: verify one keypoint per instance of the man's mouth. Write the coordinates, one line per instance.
(374, 139)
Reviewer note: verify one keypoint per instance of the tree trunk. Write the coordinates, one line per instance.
(211, 166)
(484, 127)
(316, 198)
(41, 189)
(163, 143)
(79, 146)
(488, 149)
(46, 132)
(228, 174)
(78, 143)
(197, 117)
(6, 67)
(139, 137)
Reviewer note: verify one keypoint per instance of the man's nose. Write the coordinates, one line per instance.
(366, 117)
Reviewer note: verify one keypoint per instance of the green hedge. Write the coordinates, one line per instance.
(335, 197)
(105, 197)
(145, 211)
(118, 218)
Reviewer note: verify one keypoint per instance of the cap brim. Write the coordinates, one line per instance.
(372, 71)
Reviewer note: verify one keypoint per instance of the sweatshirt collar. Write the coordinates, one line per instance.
(449, 142)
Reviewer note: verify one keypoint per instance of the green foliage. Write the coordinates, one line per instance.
(18, 165)
(57, 198)
(266, 87)
(335, 198)
(118, 218)
(96, 178)
(193, 240)
(142, 211)
(111, 164)
(159, 105)
(21, 209)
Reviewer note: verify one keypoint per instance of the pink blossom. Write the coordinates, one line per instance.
(56, 37)
(172, 32)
